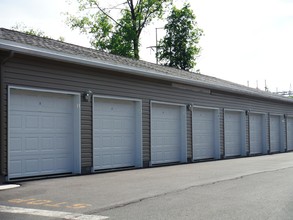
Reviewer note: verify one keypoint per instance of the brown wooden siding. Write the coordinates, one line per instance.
(46, 74)
(146, 149)
(222, 136)
(189, 135)
(247, 137)
(267, 122)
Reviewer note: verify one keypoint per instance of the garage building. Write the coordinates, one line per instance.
(67, 109)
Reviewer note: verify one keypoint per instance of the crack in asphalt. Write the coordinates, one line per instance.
(131, 202)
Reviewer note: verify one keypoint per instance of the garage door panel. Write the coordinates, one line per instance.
(118, 151)
(169, 126)
(114, 140)
(233, 133)
(119, 124)
(44, 102)
(15, 144)
(40, 144)
(48, 164)
(116, 108)
(62, 142)
(31, 121)
(63, 123)
(15, 167)
(25, 101)
(165, 111)
(16, 121)
(63, 162)
(31, 144)
(47, 122)
(40, 133)
(47, 143)
(31, 166)
(114, 133)
(166, 133)
(164, 156)
(204, 136)
(60, 162)
(56, 104)
(53, 122)
(109, 160)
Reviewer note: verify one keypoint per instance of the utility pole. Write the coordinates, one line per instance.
(156, 47)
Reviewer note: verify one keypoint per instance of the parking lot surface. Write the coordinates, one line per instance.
(245, 188)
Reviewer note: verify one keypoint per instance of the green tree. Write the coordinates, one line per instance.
(120, 35)
(179, 47)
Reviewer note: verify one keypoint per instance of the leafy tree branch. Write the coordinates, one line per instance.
(119, 35)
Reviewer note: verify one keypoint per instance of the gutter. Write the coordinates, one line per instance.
(92, 62)
(2, 88)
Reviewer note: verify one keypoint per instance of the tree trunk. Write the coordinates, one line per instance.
(136, 48)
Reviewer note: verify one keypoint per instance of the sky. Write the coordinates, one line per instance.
(249, 42)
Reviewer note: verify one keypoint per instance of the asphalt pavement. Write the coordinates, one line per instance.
(244, 188)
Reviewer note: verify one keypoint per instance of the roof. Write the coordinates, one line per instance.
(43, 47)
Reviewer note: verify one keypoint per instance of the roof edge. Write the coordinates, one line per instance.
(91, 62)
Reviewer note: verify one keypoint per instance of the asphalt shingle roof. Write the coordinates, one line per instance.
(89, 53)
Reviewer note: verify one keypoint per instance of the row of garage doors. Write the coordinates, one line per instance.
(44, 133)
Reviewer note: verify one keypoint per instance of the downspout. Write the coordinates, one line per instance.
(2, 119)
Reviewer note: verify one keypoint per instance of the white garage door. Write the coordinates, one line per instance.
(166, 133)
(275, 133)
(40, 133)
(256, 126)
(290, 133)
(204, 129)
(233, 133)
(115, 135)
